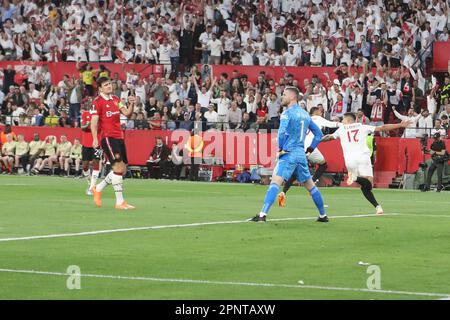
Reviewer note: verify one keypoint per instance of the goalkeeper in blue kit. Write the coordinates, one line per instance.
(294, 125)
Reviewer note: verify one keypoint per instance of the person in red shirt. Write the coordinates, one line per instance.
(89, 155)
(105, 112)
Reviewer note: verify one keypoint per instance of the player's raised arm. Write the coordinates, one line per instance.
(329, 124)
(389, 127)
(127, 110)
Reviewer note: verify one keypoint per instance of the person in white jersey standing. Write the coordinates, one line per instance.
(353, 137)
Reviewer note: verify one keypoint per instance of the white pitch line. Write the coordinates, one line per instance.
(228, 283)
(78, 234)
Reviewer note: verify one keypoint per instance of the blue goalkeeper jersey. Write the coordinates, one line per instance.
(295, 123)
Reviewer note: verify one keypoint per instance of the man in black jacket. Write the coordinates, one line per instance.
(440, 157)
(157, 160)
(8, 78)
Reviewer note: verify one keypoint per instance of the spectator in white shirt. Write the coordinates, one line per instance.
(411, 130)
(79, 51)
(204, 39)
(291, 59)
(425, 124)
(93, 51)
(246, 57)
(216, 48)
(438, 128)
(316, 54)
(164, 56)
(211, 117)
(223, 104)
(203, 95)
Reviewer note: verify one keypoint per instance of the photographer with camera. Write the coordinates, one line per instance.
(440, 156)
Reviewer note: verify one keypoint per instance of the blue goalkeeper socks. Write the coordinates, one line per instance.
(318, 201)
(271, 194)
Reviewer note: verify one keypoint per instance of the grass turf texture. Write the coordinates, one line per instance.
(411, 249)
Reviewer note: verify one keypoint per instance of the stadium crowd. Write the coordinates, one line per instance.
(378, 50)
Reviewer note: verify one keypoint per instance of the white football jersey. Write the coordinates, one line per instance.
(321, 123)
(354, 139)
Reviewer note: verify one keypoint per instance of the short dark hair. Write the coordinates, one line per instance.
(102, 80)
(313, 109)
(350, 115)
(293, 90)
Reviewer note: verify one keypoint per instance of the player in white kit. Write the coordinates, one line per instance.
(353, 138)
(314, 157)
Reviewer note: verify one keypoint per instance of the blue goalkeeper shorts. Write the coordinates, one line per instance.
(286, 167)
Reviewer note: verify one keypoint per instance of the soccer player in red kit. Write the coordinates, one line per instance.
(106, 110)
(88, 153)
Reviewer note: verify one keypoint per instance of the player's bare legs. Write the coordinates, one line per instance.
(62, 167)
(67, 163)
(350, 178)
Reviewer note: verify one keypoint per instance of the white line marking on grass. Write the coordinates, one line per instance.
(78, 234)
(425, 215)
(229, 283)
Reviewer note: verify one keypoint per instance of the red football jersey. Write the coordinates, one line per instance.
(108, 112)
(86, 136)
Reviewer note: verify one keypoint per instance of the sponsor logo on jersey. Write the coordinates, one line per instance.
(109, 114)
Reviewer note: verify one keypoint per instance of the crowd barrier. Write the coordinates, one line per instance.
(393, 154)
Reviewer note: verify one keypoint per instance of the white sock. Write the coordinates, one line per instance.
(117, 183)
(105, 182)
(94, 178)
(262, 214)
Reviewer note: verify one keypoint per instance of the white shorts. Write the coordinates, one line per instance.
(316, 157)
(360, 166)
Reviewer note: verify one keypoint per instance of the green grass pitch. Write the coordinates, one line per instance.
(410, 244)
